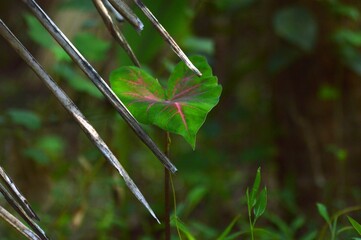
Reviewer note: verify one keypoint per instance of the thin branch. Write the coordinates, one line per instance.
(74, 112)
(114, 30)
(17, 224)
(167, 37)
(127, 13)
(98, 81)
(17, 195)
(116, 14)
(39, 232)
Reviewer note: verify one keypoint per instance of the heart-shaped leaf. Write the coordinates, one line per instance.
(179, 108)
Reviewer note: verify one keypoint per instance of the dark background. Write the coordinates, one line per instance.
(290, 72)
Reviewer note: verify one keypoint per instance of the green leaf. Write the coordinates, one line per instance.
(60, 54)
(347, 36)
(355, 224)
(297, 26)
(76, 81)
(37, 155)
(261, 204)
(93, 48)
(256, 184)
(228, 229)
(281, 225)
(38, 34)
(195, 197)
(176, 222)
(204, 230)
(45, 149)
(52, 145)
(179, 108)
(249, 205)
(25, 118)
(323, 212)
(345, 10)
(351, 57)
(263, 233)
(200, 45)
(310, 236)
(234, 236)
(298, 223)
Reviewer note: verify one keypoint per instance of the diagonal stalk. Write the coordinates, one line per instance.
(114, 30)
(98, 81)
(119, 17)
(73, 111)
(127, 13)
(17, 195)
(17, 224)
(16, 206)
(167, 37)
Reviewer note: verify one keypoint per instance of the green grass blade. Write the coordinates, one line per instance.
(228, 229)
(175, 221)
(256, 184)
(323, 212)
(355, 224)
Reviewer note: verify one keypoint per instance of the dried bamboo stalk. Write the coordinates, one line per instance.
(127, 13)
(116, 14)
(98, 81)
(17, 224)
(167, 37)
(114, 30)
(73, 111)
(17, 195)
(38, 231)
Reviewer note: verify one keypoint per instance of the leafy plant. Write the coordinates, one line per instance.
(225, 234)
(256, 202)
(179, 108)
(332, 221)
(332, 225)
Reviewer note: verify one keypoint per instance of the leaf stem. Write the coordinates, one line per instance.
(251, 227)
(167, 191)
(251, 223)
(175, 207)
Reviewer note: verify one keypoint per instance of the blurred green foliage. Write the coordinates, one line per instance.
(291, 76)
(297, 26)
